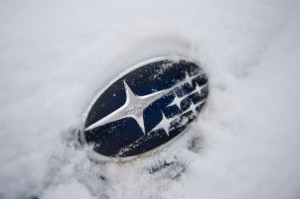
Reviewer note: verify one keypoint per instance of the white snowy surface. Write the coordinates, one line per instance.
(56, 55)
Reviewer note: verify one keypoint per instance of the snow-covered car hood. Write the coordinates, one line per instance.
(56, 55)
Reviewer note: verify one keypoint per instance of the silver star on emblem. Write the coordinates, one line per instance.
(163, 124)
(133, 107)
(193, 107)
(188, 79)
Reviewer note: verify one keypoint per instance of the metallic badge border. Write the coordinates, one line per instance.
(96, 157)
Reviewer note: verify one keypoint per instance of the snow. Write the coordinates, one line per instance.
(56, 55)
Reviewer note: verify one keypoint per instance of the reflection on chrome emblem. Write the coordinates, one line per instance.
(146, 108)
(135, 105)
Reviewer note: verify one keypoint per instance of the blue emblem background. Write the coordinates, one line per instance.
(110, 139)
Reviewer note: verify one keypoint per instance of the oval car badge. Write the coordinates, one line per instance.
(148, 106)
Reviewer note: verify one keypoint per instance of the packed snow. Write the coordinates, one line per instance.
(56, 55)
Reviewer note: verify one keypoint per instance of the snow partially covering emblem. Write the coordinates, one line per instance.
(148, 106)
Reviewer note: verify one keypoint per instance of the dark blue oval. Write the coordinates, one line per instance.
(147, 107)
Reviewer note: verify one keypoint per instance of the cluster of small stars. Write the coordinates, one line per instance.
(135, 105)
